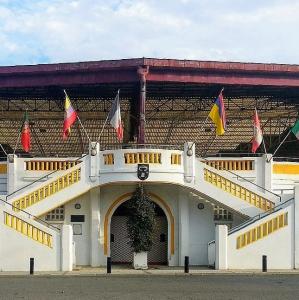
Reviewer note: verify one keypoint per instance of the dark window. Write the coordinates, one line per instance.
(77, 218)
(112, 238)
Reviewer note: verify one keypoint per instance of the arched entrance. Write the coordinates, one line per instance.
(120, 250)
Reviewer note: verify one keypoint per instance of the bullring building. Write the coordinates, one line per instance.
(63, 201)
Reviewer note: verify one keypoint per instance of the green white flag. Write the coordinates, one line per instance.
(295, 129)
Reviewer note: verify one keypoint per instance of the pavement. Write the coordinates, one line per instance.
(138, 286)
(152, 270)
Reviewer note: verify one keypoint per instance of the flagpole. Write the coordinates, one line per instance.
(84, 129)
(263, 140)
(3, 149)
(264, 146)
(208, 146)
(20, 131)
(279, 146)
(105, 121)
(66, 95)
(205, 122)
(102, 129)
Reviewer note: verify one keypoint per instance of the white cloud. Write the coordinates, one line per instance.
(60, 31)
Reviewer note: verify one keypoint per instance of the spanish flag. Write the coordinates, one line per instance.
(70, 116)
(217, 115)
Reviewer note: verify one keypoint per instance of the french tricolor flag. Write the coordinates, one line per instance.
(114, 118)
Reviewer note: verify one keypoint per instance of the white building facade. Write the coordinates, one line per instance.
(224, 212)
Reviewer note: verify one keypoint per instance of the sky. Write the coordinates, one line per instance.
(54, 31)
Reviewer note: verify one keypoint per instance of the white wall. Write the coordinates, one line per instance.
(82, 242)
(19, 177)
(283, 184)
(201, 224)
(278, 246)
(16, 249)
(202, 231)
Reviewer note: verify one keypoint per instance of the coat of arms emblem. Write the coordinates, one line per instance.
(143, 171)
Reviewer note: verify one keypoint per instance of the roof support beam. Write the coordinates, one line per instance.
(142, 72)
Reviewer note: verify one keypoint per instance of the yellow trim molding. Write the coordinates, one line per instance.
(262, 230)
(285, 169)
(3, 168)
(237, 190)
(124, 198)
(28, 230)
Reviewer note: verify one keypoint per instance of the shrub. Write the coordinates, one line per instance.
(141, 221)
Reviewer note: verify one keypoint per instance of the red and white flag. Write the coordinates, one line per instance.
(26, 136)
(257, 132)
(114, 118)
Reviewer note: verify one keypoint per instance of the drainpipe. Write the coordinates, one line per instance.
(142, 72)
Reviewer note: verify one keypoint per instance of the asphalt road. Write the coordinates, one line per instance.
(151, 287)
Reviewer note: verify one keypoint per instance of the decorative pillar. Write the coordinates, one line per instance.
(94, 161)
(268, 162)
(11, 173)
(221, 247)
(95, 218)
(142, 72)
(183, 227)
(67, 248)
(189, 162)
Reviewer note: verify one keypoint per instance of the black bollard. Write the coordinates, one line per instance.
(264, 263)
(31, 265)
(186, 264)
(108, 265)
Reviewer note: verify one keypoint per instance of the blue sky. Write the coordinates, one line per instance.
(49, 31)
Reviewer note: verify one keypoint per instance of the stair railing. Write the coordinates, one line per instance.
(259, 217)
(256, 218)
(31, 216)
(243, 178)
(40, 179)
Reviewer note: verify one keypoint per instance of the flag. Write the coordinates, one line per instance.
(217, 115)
(295, 129)
(25, 137)
(257, 133)
(70, 116)
(114, 118)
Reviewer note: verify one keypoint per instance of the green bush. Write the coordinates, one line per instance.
(141, 221)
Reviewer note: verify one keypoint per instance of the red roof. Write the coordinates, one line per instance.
(160, 70)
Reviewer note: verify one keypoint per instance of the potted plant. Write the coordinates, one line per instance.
(140, 226)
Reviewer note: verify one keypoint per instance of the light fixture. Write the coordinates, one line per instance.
(77, 205)
(200, 206)
(11, 158)
(93, 152)
(189, 152)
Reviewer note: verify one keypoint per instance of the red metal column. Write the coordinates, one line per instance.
(142, 72)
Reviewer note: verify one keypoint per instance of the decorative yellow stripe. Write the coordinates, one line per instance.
(29, 230)
(262, 230)
(143, 158)
(3, 168)
(108, 159)
(285, 169)
(231, 165)
(47, 190)
(49, 165)
(237, 190)
(124, 198)
(176, 159)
